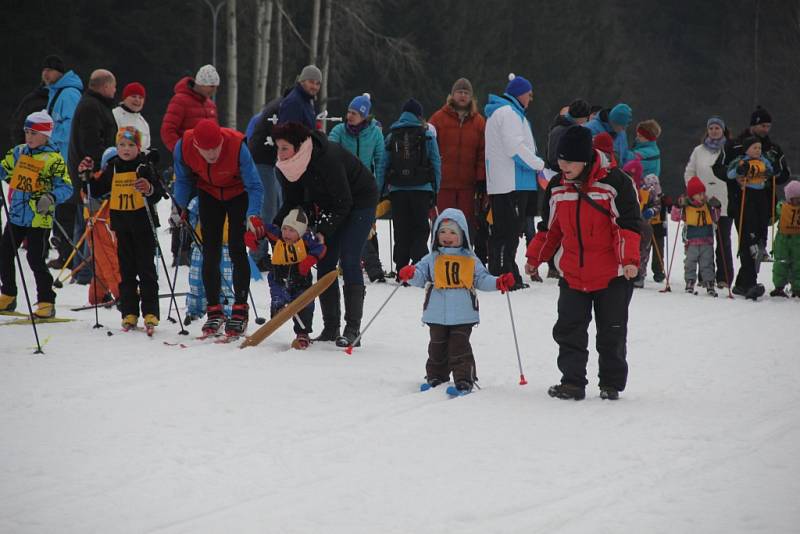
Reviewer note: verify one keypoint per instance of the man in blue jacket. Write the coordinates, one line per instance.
(614, 122)
(298, 105)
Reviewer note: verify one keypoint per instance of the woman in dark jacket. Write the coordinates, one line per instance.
(339, 194)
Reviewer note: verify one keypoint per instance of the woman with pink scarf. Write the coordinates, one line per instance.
(339, 194)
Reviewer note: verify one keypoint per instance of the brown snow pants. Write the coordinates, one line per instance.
(449, 351)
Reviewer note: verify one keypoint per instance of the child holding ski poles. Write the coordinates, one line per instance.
(196, 298)
(451, 273)
(295, 249)
(38, 181)
(787, 243)
(700, 216)
(131, 181)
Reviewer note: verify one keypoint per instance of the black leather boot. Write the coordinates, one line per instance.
(331, 313)
(353, 310)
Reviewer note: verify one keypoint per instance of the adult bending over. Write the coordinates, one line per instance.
(339, 194)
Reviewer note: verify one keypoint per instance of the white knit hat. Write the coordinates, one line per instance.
(297, 220)
(207, 75)
(39, 122)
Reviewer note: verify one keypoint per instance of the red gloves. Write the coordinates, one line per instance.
(304, 267)
(256, 225)
(143, 186)
(406, 273)
(250, 240)
(505, 282)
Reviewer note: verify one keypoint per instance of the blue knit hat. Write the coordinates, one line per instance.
(413, 107)
(361, 104)
(715, 120)
(517, 85)
(621, 114)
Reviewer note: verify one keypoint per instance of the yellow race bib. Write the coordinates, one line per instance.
(790, 220)
(124, 197)
(756, 172)
(698, 216)
(453, 272)
(284, 254)
(25, 177)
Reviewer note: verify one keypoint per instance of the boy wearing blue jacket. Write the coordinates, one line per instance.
(38, 180)
(450, 275)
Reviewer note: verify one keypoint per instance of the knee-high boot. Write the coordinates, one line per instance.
(353, 310)
(331, 313)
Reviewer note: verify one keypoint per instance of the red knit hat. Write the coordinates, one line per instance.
(695, 186)
(134, 88)
(207, 134)
(604, 143)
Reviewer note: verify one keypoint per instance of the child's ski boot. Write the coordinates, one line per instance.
(301, 342)
(150, 323)
(129, 322)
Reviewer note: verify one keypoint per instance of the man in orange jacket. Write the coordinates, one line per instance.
(460, 134)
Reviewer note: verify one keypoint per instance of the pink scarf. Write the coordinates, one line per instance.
(294, 167)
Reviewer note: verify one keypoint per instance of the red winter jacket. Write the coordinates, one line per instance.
(591, 246)
(184, 111)
(461, 145)
(222, 179)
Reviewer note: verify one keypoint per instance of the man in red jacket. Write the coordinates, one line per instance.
(593, 230)
(460, 134)
(190, 104)
(218, 162)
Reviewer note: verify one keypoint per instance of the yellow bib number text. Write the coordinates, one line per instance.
(790, 220)
(453, 272)
(124, 197)
(26, 175)
(698, 216)
(289, 254)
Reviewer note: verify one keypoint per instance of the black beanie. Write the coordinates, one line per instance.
(748, 141)
(413, 107)
(579, 109)
(575, 145)
(760, 116)
(53, 62)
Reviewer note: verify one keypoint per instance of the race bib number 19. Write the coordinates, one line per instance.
(453, 272)
(26, 175)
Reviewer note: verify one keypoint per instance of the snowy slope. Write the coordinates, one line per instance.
(123, 433)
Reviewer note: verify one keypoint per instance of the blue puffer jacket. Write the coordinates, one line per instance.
(407, 120)
(70, 87)
(451, 306)
(598, 126)
(651, 157)
(368, 145)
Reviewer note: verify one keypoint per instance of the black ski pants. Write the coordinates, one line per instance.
(508, 223)
(212, 219)
(571, 332)
(38, 247)
(136, 254)
(411, 226)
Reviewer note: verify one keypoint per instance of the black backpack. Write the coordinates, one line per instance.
(261, 145)
(410, 164)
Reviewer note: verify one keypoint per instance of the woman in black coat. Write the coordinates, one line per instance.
(339, 195)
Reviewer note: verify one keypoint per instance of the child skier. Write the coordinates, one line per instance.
(700, 216)
(130, 181)
(196, 298)
(295, 250)
(38, 181)
(787, 243)
(451, 273)
(653, 212)
(750, 205)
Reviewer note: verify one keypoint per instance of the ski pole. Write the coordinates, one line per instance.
(522, 380)
(658, 253)
(349, 348)
(182, 331)
(181, 238)
(75, 247)
(724, 261)
(10, 230)
(91, 222)
(772, 221)
(391, 248)
(57, 282)
(740, 230)
(667, 289)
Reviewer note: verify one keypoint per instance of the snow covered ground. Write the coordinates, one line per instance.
(123, 433)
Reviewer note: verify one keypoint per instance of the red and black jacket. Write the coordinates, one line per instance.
(593, 227)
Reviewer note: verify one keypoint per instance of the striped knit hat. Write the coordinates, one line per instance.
(131, 134)
(39, 122)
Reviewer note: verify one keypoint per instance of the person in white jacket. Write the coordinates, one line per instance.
(511, 165)
(700, 162)
(129, 112)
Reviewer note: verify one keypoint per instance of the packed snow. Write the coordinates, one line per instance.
(123, 433)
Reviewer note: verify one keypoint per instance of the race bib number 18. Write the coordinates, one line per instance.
(453, 272)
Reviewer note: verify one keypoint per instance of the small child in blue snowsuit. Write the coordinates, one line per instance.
(196, 299)
(295, 250)
(450, 274)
